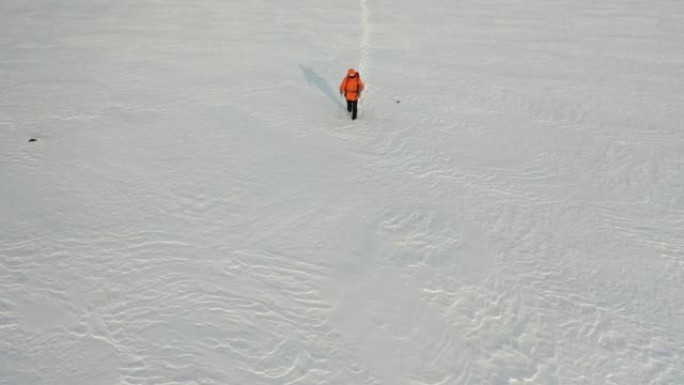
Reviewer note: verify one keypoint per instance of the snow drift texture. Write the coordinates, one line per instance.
(198, 208)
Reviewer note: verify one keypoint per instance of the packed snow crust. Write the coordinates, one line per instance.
(198, 208)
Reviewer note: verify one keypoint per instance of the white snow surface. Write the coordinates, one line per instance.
(198, 208)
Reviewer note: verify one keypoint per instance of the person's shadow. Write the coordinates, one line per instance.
(315, 79)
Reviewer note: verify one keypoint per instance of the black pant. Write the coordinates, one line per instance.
(352, 106)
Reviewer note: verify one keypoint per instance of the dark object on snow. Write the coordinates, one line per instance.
(398, 101)
(33, 140)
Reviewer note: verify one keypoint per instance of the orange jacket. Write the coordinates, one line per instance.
(352, 85)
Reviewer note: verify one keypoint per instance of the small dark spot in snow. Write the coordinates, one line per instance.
(398, 101)
(33, 140)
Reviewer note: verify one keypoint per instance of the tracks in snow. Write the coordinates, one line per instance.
(365, 37)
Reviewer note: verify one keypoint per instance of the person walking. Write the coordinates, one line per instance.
(351, 88)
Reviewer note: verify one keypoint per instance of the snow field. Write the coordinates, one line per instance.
(198, 208)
